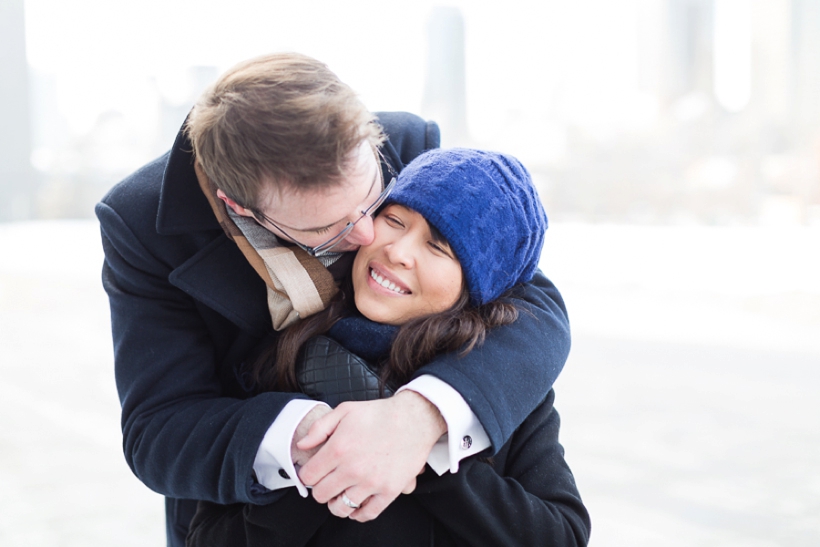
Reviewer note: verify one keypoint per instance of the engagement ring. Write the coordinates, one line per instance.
(349, 503)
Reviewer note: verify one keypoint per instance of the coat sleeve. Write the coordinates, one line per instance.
(505, 379)
(182, 436)
(531, 500)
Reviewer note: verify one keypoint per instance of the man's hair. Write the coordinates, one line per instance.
(284, 117)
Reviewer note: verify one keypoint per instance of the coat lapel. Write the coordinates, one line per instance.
(218, 275)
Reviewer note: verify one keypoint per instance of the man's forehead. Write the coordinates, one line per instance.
(362, 168)
(319, 207)
(364, 172)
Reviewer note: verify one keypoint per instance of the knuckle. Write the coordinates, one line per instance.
(320, 495)
(364, 515)
(372, 509)
(369, 485)
(337, 451)
(372, 512)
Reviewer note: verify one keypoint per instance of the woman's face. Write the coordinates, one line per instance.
(404, 273)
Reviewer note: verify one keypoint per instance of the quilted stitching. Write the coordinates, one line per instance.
(330, 373)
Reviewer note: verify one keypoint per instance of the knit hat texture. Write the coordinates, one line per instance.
(485, 205)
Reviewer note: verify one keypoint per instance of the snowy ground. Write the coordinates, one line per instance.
(689, 402)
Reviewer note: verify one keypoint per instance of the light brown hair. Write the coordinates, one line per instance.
(283, 118)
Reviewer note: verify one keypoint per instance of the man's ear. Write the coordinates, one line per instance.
(238, 209)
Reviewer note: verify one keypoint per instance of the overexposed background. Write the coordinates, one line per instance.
(674, 142)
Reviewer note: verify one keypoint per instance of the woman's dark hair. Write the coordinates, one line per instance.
(460, 328)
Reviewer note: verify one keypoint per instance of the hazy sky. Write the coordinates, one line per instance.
(523, 57)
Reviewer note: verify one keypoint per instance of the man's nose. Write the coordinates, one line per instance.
(362, 232)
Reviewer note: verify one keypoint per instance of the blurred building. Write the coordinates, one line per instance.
(17, 182)
(78, 169)
(715, 120)
(737, 136)
(445, 89)
(805, 34)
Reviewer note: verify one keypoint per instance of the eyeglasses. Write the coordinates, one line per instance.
(328, 245)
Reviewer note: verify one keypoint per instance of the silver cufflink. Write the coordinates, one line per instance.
(466, 442)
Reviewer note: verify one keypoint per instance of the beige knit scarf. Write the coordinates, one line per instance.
(298, 284)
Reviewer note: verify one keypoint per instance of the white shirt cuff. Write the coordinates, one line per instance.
(273, 464)
(465, 435)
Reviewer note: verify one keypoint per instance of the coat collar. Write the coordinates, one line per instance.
(217, 275)
(220, 277)
(182, 205)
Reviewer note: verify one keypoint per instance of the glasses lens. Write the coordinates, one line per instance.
(326, 247)
(370, 210)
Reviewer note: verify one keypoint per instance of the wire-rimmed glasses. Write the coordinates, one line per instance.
(328, 245)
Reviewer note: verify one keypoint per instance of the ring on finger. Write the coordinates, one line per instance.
(347, 501)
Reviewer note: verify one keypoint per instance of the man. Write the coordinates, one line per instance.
(244, 228)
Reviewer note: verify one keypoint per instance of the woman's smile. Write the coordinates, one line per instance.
(381, 279)
(406, 272)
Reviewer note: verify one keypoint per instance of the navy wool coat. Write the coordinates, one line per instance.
(187, 309)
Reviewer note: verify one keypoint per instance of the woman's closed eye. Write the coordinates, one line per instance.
(440, 248)
(394, 221)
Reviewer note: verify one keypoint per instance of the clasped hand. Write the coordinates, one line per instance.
(369, 452)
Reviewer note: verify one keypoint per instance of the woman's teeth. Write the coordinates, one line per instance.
(385, 283)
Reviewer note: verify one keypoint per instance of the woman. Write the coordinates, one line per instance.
(461, 229)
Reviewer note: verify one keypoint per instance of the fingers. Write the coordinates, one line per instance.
(368, 509)
(333, 452)
(341, 509)
(371, 508)
(378, 447)
(338, 508)
(332, 484)
(321, 430)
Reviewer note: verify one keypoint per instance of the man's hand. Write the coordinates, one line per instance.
(372, 453)
(299, 456)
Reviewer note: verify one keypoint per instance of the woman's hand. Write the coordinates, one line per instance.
(300, 457)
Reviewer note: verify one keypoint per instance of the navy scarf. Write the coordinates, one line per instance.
(369, 340)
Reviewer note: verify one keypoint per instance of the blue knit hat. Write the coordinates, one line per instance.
(485, 205)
